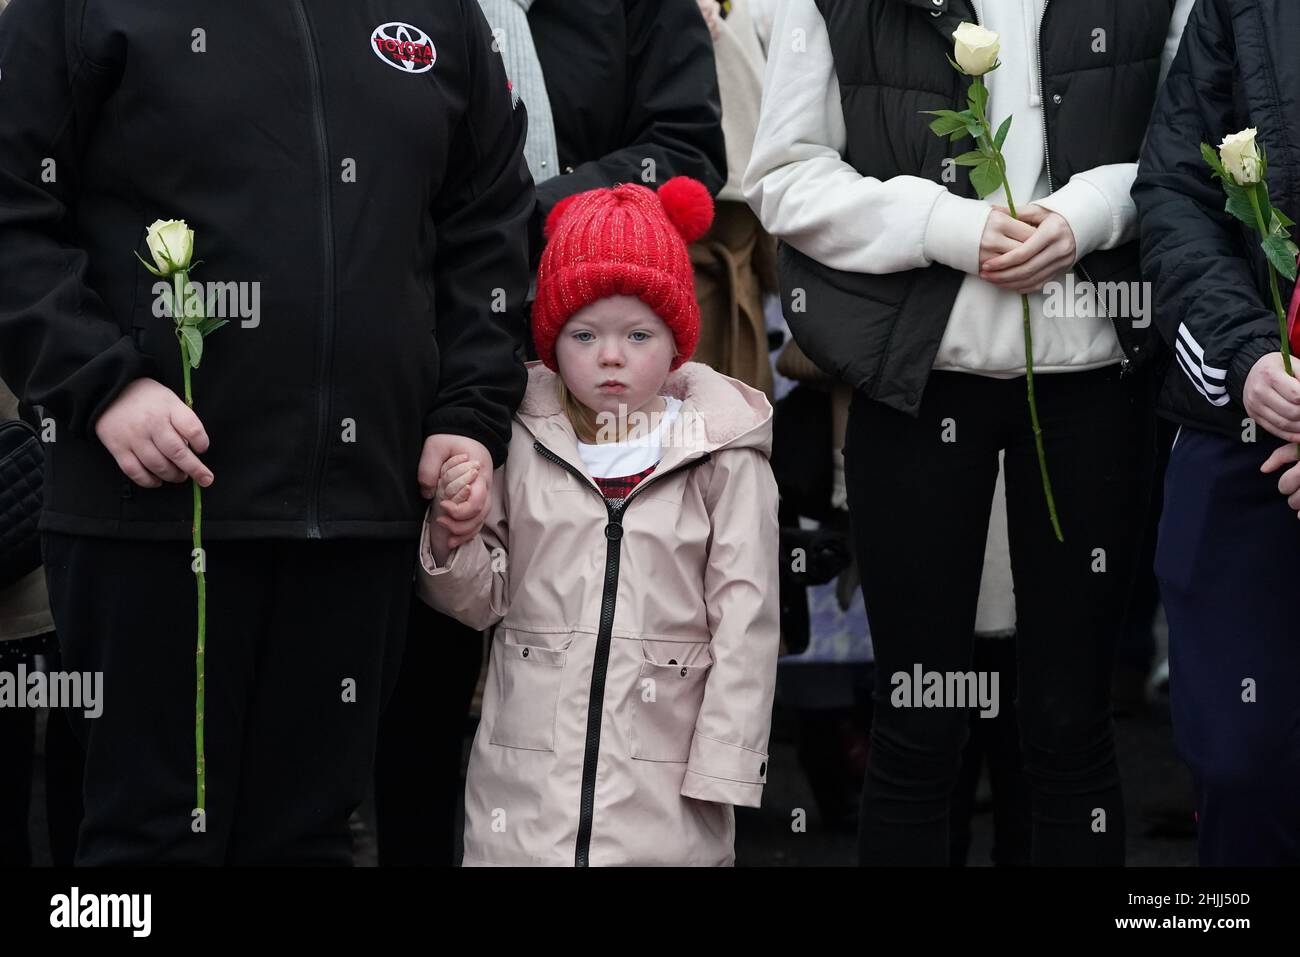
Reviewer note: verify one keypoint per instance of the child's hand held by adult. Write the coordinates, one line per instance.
(458, 474)
(461, 494)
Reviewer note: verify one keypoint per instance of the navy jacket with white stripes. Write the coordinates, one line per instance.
(1236, 68)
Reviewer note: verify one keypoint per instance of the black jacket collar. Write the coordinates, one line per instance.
(944, 15)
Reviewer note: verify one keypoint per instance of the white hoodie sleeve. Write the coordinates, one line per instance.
(1096, 203)
(803, 191)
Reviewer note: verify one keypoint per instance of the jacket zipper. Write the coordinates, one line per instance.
(615, 508)
(1125, 363)
(324, 363)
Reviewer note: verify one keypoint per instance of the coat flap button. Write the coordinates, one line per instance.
(762, 769)
(613, 531)
(524, 652)
(683, 672)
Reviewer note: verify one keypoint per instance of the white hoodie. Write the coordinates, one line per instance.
(804, 192)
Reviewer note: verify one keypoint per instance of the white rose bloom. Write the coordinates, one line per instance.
(977, 48)
(1240, 157)
(171, 243)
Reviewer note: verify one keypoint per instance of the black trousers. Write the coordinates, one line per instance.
(418, 783)
(303, 641)
(920, 492)
(1228, 560)
(63, 761)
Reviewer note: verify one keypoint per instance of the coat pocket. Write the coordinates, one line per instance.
(529, 678)
(666, 704)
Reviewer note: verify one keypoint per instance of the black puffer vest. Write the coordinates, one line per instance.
(881, 333)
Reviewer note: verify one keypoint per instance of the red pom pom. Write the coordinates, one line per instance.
(688, 205)
(554, 216)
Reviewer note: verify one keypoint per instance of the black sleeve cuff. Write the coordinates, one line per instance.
(453, 421)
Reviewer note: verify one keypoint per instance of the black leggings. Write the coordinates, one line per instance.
(920, 492)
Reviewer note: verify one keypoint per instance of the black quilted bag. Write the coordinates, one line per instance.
(22, 464)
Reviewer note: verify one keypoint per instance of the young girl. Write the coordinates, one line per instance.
(629, 556)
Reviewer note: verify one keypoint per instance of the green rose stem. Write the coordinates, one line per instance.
(1277, 296)
(191, 328)
(1239, 157)
(991, 149)
(181, 280)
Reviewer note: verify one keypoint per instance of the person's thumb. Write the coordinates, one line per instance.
(435, 453)
(1034, 214)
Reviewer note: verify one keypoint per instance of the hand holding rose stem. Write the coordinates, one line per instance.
(171, 244)
(1241, 164)
(976, 55)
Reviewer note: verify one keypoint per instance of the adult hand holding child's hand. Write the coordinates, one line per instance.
(455, 521)
(461, 482)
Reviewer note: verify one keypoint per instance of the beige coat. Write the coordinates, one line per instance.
(681, 669)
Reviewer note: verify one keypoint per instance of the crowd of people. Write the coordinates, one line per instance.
(510, 387)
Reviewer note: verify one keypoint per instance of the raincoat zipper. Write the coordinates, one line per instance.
(615, 509)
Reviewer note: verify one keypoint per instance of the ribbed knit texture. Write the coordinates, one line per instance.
(622, 242)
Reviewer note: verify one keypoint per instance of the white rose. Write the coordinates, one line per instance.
(1240, 157)
(977, 48)
(171, 243)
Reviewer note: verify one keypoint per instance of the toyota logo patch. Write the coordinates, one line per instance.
(403, 47)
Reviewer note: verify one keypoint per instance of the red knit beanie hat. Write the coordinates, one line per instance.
(625, 241)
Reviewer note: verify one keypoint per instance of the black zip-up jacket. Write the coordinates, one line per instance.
(881, 333)
(1236, 68)
(361, 161)
(629, 81)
